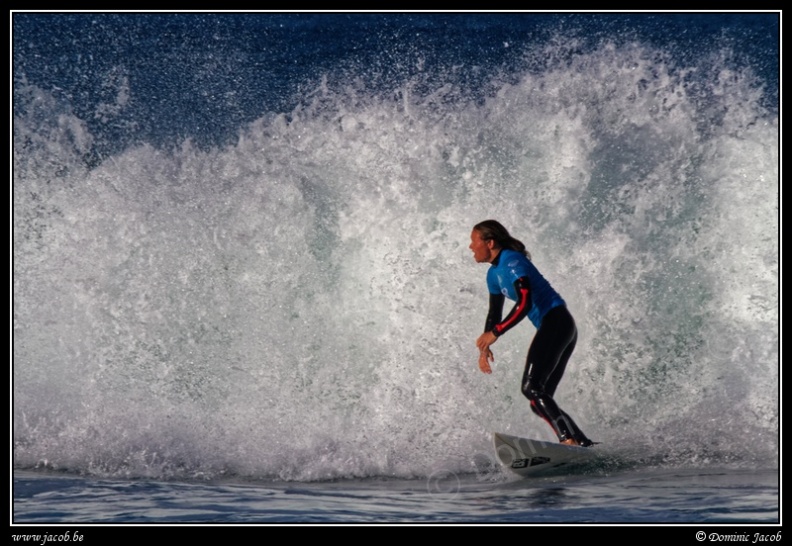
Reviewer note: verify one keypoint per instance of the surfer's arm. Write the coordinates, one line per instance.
(520, 309)
(487, 338)
(495, 311)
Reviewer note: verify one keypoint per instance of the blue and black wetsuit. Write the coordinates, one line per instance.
(514, 276)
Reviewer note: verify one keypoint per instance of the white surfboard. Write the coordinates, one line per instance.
(526, 457)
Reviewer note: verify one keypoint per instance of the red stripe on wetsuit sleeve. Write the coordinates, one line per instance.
(516, 314)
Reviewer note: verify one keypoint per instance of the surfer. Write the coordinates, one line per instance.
(513, 275)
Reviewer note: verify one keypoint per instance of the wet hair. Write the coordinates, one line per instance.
(492, 230)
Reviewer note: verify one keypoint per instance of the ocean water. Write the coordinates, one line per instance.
(243, 294)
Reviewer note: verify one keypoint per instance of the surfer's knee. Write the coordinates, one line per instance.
(532, 392)
(536, 399)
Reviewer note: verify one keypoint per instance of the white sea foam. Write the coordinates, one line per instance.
(303, 304)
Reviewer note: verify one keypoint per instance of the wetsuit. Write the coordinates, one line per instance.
(514, 276)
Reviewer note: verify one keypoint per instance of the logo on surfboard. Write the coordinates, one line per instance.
(531, 461)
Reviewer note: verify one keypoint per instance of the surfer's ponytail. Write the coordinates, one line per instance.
(493, 230)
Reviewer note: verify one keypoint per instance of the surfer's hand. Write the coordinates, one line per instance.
(485, 340)
(484, 359)
(485, 356)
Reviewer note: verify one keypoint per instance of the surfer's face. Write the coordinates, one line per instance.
(482, 250)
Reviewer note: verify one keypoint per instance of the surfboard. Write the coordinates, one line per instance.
(526, 457)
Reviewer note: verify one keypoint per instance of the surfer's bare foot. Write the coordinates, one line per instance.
(570, 442)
